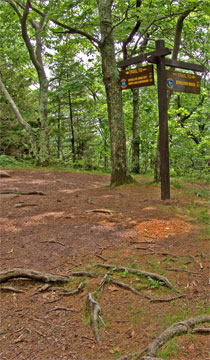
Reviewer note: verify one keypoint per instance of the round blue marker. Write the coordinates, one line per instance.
(170, 83)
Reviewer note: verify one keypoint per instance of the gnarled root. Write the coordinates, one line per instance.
(176, 329)
(95, 314)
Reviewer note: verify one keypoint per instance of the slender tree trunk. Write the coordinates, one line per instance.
(72, 128)
(35, 53)
(136, 131)
(59, 127)
(119, 174)
(44, 127)
(29, 130)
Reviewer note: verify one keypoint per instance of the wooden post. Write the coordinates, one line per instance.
(163, 123)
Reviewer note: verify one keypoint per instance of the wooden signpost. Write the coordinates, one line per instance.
(167, 80)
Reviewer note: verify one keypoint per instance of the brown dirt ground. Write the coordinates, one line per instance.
(55, 232)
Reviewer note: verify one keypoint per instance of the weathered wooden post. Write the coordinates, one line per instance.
(163, 123)
(167, 80)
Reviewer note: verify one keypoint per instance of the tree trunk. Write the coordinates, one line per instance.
(35, 53)
(136, 131)
(29, 130)
(119, 174)
(44, 128)
(59, 127)
(72, 129)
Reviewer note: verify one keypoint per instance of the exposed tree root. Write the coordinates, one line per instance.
(76, 291)
(130, 288)
(19, 192)
(141, 273)
(32, 274)
(201, 331)
(95, 314)
(104, 211)
(176, 329)
(167, 299)
(183, 270)
(84, 273)
(11, 289)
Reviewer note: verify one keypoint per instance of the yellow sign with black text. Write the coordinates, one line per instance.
(182, 82)
(138, 77)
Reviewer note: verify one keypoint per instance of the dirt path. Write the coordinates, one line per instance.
(72, 221)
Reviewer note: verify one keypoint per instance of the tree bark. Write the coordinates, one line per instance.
(119, 173)
(36, 58)
(72, 128)
(59, 127)
(31, 135)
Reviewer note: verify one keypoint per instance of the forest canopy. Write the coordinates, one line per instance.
(61, 100)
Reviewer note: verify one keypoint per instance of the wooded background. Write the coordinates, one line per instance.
(61, 100)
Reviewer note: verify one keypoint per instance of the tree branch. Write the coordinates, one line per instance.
(20, 118)
(132, 34)
(70, 30)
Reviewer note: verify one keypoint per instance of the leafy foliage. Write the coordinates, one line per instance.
(79, 133)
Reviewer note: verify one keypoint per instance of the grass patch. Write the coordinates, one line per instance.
(170, 349)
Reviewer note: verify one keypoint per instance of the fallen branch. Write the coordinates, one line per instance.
(141, 273)
(95, 313)
(32, 274)
(176, 329)
(104, 211)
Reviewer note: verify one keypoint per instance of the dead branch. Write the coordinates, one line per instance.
(176, 329)
(95, 313)
(104, 211)
(141, 273)
(32, 274)
(76, 291)
(11, 289)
